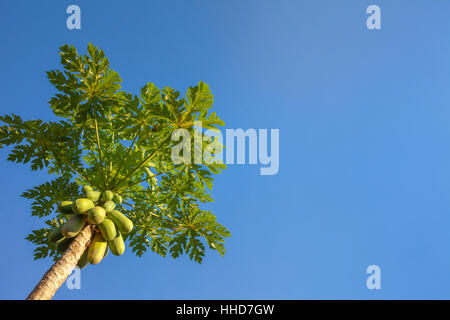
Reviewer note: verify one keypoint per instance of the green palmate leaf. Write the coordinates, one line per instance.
(114, 140)
(46, 197)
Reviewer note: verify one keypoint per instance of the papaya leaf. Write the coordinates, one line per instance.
(47, 196)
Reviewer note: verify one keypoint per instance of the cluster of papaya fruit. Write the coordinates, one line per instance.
(98, 209)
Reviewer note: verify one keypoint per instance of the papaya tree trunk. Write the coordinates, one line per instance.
(58, 273)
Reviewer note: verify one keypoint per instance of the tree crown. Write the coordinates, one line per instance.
(113, 140)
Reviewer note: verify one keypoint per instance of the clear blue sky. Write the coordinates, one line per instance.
(364, 119)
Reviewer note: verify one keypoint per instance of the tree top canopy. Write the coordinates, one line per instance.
(114, 140)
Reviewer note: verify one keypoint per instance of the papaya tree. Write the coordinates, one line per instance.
(113, 181)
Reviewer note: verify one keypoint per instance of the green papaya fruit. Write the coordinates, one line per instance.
(96, 215)
(83, 260)
(55, 235)
(107, 195)
(117, 198)
(108, 229)
(124, 224)
(65, 207)
(87, 189)
(82, 206)
(109, 206)
(63, 244)
(72, 227)
(117, 245)
(93, 195)
(97, 249)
